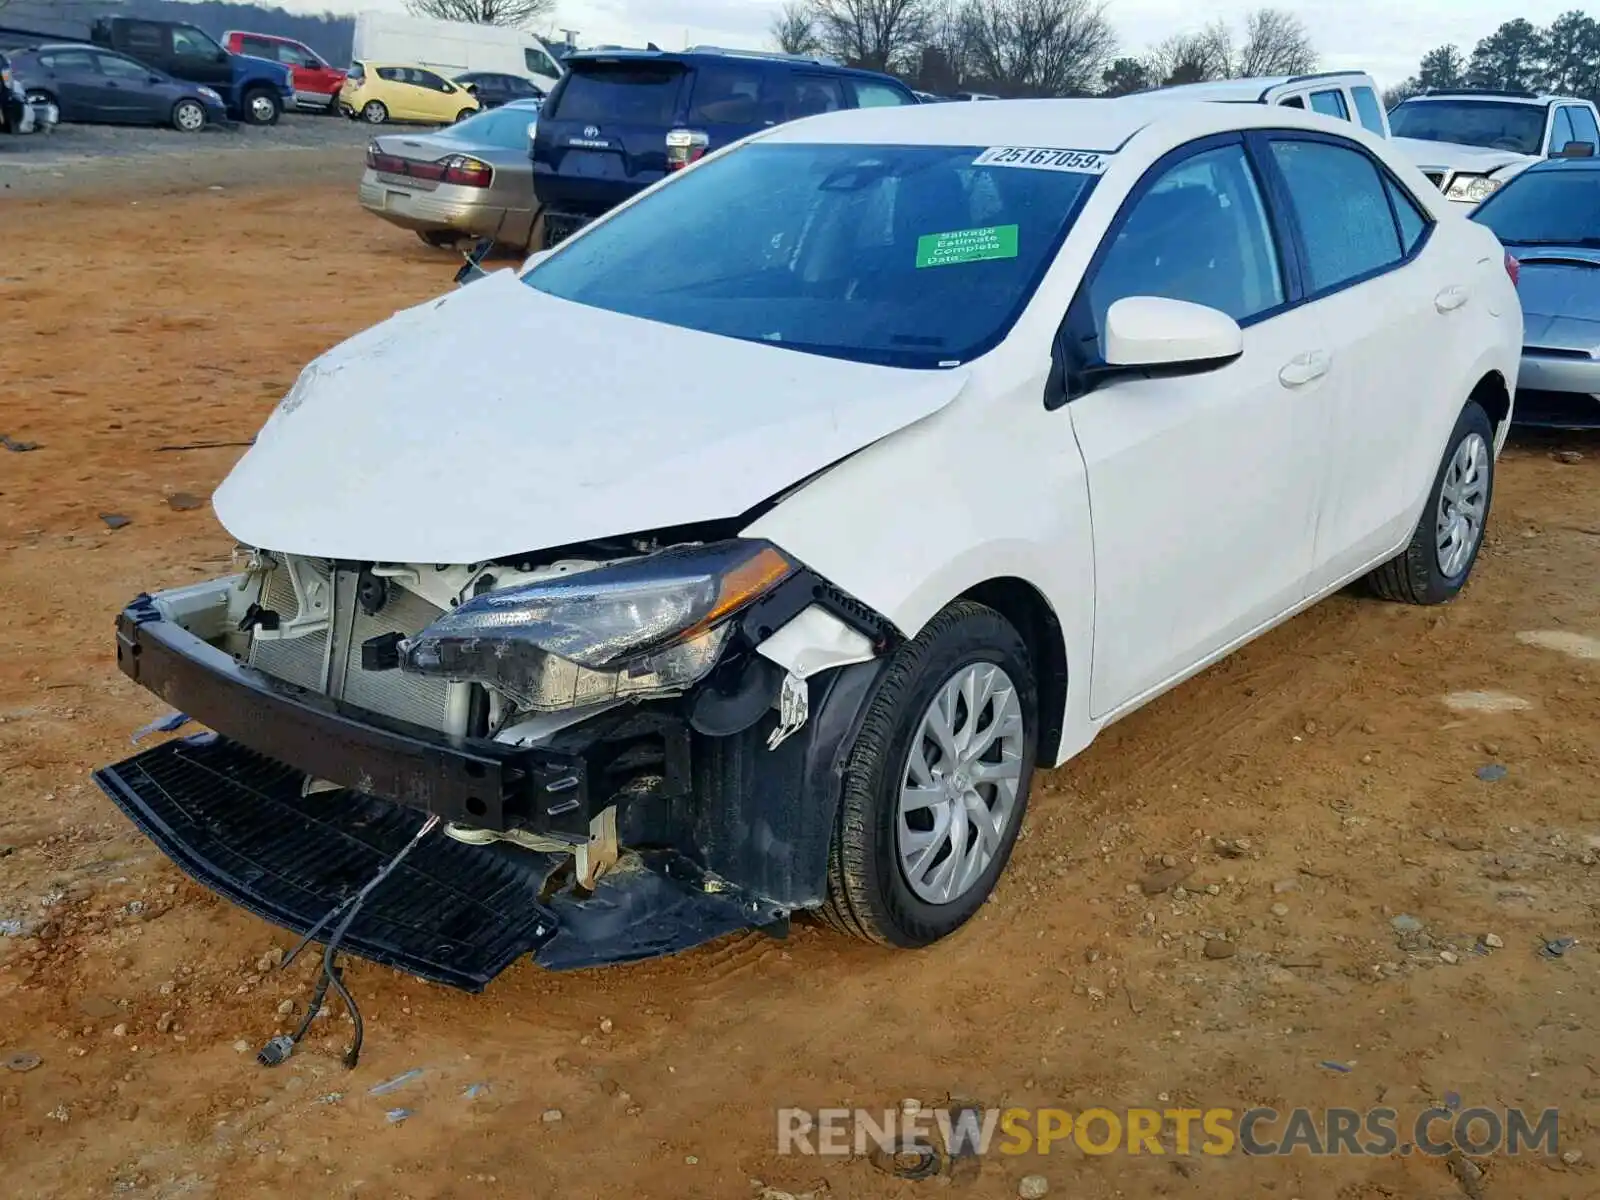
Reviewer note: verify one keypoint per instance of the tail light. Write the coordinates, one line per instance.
(457, 169)
(1513, 269)
(468, 172)
(685, 146)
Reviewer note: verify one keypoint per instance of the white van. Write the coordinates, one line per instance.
(454, 47)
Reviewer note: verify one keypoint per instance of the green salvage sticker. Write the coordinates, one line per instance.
(967, 245)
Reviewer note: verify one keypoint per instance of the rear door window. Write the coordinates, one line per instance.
(143, 37)
(1343, 210)
(1330, 103)
(121, 68)
(879, 95)
(1367, 109)
(68, 60)
(1293, 102)
(628, 93)
(812, 94)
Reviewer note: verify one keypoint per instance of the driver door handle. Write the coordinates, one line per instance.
(1451, 298)
(1304, 368)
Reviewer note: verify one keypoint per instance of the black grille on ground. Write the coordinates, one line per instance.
(237, 823)
(1556, 410)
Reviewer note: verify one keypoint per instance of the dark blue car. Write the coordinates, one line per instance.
(87, 83)
(619, 120)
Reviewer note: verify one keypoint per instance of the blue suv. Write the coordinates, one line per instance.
(619, 120)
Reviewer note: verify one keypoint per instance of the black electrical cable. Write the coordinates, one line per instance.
(279, 1048)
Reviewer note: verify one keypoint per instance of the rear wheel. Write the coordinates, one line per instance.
(261, 107)
(1444, 546)
(373, 112)
(936, 783)
(465, 113)
(188, 116)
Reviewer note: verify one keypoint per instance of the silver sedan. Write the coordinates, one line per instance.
(467, 181)
(1548, 219)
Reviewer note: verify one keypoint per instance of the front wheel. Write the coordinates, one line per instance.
(188, 116)
(1444, 546)
(464, 114)
(261, 107)
(936, 782)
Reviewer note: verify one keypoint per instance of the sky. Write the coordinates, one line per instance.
(1383, 37)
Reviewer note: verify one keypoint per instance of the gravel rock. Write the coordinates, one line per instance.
(1033, 1187)
(551, 1116)
(1216, 948)
(1164, 880)
(1405, 923)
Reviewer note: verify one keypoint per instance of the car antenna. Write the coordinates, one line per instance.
(278, 1049)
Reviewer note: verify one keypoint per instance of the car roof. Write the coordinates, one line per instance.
(697, 54)
(1255, 90)
(72, 46)
(1591, 163)
(1507, 96)
(1098, 124)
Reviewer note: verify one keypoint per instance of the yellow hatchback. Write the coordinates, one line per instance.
(394, 92)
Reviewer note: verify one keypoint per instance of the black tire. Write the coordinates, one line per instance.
(374, 112)
(260, 106)
(869, 895)
(464, 114)
(1414, 576)
(188, 116)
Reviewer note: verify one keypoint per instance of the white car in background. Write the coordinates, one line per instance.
(964, 431)
(1468, 142)
(1343, 95)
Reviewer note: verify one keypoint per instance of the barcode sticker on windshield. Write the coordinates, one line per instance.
(1044, 158)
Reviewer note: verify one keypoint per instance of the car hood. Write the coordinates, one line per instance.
(1560, 291)
(499, 420)
(1453, 156)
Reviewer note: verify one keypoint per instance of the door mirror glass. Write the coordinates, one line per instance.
(1153, 331)
(1576, 150)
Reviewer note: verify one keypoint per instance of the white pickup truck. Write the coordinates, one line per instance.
(1347, 95)
(1470, 141)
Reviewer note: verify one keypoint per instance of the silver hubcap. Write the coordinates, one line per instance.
(1463, 500)
(958, 791)
(263, 108)
(190, 117)
(373, 112)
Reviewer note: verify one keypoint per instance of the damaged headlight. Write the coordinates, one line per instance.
(646, 625)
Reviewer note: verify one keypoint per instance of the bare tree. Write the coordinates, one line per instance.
(1193, 57)
(483, 12)
(1275, 43)
(874, 33)
(793, 29)
(1038, 47)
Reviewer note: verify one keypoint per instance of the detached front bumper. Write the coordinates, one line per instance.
(733, 835)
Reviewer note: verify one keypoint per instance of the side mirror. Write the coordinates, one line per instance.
(1576, 150)
(1152, 331)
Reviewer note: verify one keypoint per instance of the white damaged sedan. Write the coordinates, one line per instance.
(747, 553)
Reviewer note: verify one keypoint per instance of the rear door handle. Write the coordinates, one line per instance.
(1451, 298)
(1304, 368)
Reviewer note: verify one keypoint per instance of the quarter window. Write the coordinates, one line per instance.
(1330, 104)
(726, 94)
(1199, 234)
(1367, 109)
(1344, 214)
(1413, 224)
